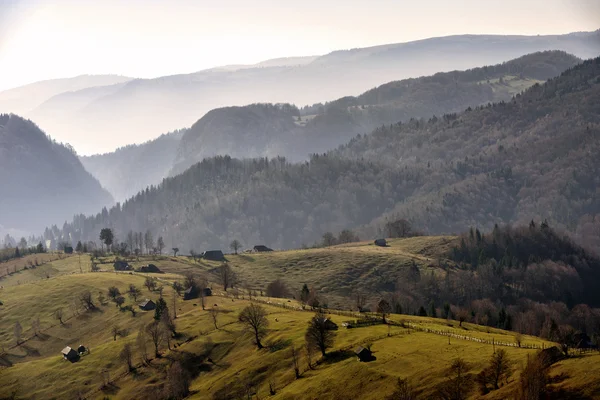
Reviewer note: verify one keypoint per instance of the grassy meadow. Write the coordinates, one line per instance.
(223, 362)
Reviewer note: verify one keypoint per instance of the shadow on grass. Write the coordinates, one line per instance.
(111, 388)
(277, 345)
(30, 351)
(337, 356)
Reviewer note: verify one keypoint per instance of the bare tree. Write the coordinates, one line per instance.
(383, 308)
(160, 244)
(169, 328)
(119, 301)
(318, 335)
(534, 379)
(254, 318)
(58, 314)
(126, 356)
(309, 354)
(18, 331)
(150, 283)
(403, 391)
(459, 382)
(174, 304)
(296, 362)
(235, 246)
(113, 292)
(156, 333)
(278, 288)
(178, 382)
(498, 370)
(86, 300)
(178, 287)
(134, 292)
(227, 276)
(202, 284)
(35, 325)
(148, 241)
(190, 281)
(175, 251)
(115, 332)
(141, 344)
(361, 300)
(214, 313)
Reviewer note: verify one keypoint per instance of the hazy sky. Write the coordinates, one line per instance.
(44, 39)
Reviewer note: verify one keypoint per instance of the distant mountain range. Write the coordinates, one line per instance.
(270, 130)
(532, 157)
(43, 181)
(110, 114)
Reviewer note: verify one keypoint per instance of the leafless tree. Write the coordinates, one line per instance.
(318, 335)
(361, 300)
(18, 331)
(156, 332)
(178, 382)
(296, 362)
(141, 344)
(168, 325)
(309, 354)
(35, 325)
(190, 281)
(498, 370)
(119, 301)
(518, 339)
(58, 314)
(278, 288)
(214, 313)
(459, 382)
(115, 332)
(383, 308)
(227, 276)
(534, 379)
(174, 304)
(178, 287)
(254, 318)
(235, 246)
(403, 391)
(86, 300)
(150, 283)
(113, 292)
(134, 292)
(126, 356)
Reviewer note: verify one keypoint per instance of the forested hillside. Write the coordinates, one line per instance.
(43, 181)
(533, 157)
(145, 108)
(266, 130)
(132, 168)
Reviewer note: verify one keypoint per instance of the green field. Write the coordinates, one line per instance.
(223, 362)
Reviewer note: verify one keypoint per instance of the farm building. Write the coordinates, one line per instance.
(381, 242)
(122, 266)
(261, 248)
(363, 354)
(213, 255)
(330, 325)
(70, 354)
(147, 305)
(151, 268)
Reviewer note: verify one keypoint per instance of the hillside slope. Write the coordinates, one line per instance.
(142, 109)
(531, 158)
(24, 99)
(282, 130)
(45, 182)
(132, 168)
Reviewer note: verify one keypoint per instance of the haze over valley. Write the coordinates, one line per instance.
(345, 219)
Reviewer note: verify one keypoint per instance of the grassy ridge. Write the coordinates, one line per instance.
(38, 370)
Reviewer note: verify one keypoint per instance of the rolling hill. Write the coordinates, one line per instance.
(501, 163)
(145, 108)
(281, 130)
(222, 362)
(44, 181)
(132, 168)
(270, 130)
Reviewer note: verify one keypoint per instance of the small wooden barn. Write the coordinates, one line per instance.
(381, 242)
(70, 354)
(147, 305)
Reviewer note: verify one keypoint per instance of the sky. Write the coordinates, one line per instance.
(47, 39)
